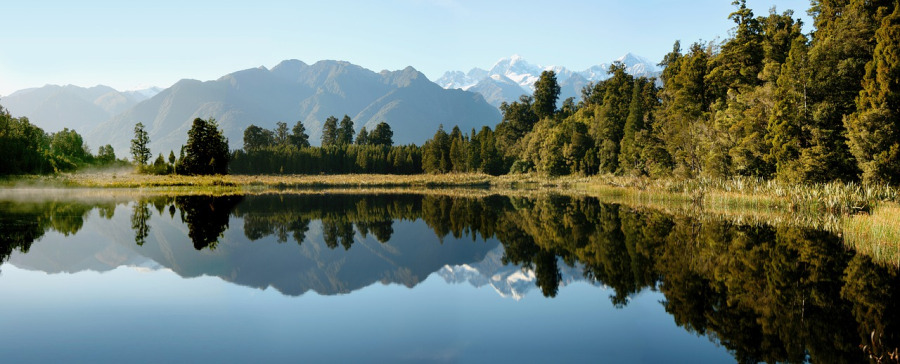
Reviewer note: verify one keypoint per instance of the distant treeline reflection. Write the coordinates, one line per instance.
(766, 293)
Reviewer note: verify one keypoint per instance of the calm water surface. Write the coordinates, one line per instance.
(426, 278)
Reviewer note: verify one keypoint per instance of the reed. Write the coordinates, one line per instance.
(876, 234)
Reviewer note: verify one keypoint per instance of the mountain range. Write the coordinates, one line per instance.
(291, 91)
(512, 77)
(295, 91)
(55, 107)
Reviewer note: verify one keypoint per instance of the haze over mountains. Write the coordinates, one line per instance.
(292, 91)
(513, 76)
(55, 107)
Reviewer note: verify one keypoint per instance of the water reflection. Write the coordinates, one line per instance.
(765, 293)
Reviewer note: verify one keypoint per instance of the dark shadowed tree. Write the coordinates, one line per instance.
(329, 132)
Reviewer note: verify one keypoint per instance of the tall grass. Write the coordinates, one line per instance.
(877, 234)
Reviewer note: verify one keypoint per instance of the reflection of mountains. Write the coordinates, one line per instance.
(508, 280)
(767, 293)
(408, 258)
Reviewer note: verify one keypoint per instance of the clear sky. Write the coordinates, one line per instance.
(131, 45)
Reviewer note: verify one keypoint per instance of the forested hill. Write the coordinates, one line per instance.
(294, 91)
(768, 102)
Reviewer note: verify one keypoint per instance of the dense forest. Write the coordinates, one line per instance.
(769, 102)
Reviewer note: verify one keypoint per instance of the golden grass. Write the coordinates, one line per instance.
(877, 234)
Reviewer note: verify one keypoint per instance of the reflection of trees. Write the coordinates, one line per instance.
(23, 223)
(206, 217)
(289, 215)
(766, 293)
(139, 217)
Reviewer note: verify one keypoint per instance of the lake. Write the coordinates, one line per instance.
(421, 277)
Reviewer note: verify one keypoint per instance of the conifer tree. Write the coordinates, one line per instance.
(874, 129)
(329, 132)
(345, 132)
(363, 137)
(299, 138)
(139, 150)
(546, 92)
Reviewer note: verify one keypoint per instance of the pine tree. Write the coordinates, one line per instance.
(139, 150)
(329, 132)
(546, 92)
(382, 135)
(874, 129)
(630, 151)
(345, 132)
(299, 138)
(363, 137)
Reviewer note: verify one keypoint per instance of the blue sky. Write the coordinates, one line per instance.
(130, 45)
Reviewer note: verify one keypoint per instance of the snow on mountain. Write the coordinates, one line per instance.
(509, 281)
(525, 74)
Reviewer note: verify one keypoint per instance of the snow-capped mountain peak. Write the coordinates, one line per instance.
(525, 74)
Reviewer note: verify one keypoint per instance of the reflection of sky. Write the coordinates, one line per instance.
(131, 314)
(128, 315)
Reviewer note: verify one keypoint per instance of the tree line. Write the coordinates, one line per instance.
(769, 102)
(30, 150)
(281, 152)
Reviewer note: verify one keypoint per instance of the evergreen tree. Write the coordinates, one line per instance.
(280, 135)
(256, 138)
(206, 151)
(382, 135)
(345, 132)
(609, 123)
(874, 129)
(473, 155)
(789, 116)
(139, 150)
(363, 137)
(630, 149)
(329, 132)
(299, 138)
(841, 47)
(546, 92)
(518, 119)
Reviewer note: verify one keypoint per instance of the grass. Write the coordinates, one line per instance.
(877, 234)
(862, 213)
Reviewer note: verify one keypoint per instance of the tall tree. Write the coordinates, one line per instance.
(329, 132)
(206, 151)
(382, 135)
(139, 150)
(299, 138)
(345, 132)
(874, 129)
(362, 138)
(256, 138)
(546, 92)
(281, 136)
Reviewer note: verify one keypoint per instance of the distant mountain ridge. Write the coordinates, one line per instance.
(292, 91)
(54, 107)
(513, 76)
